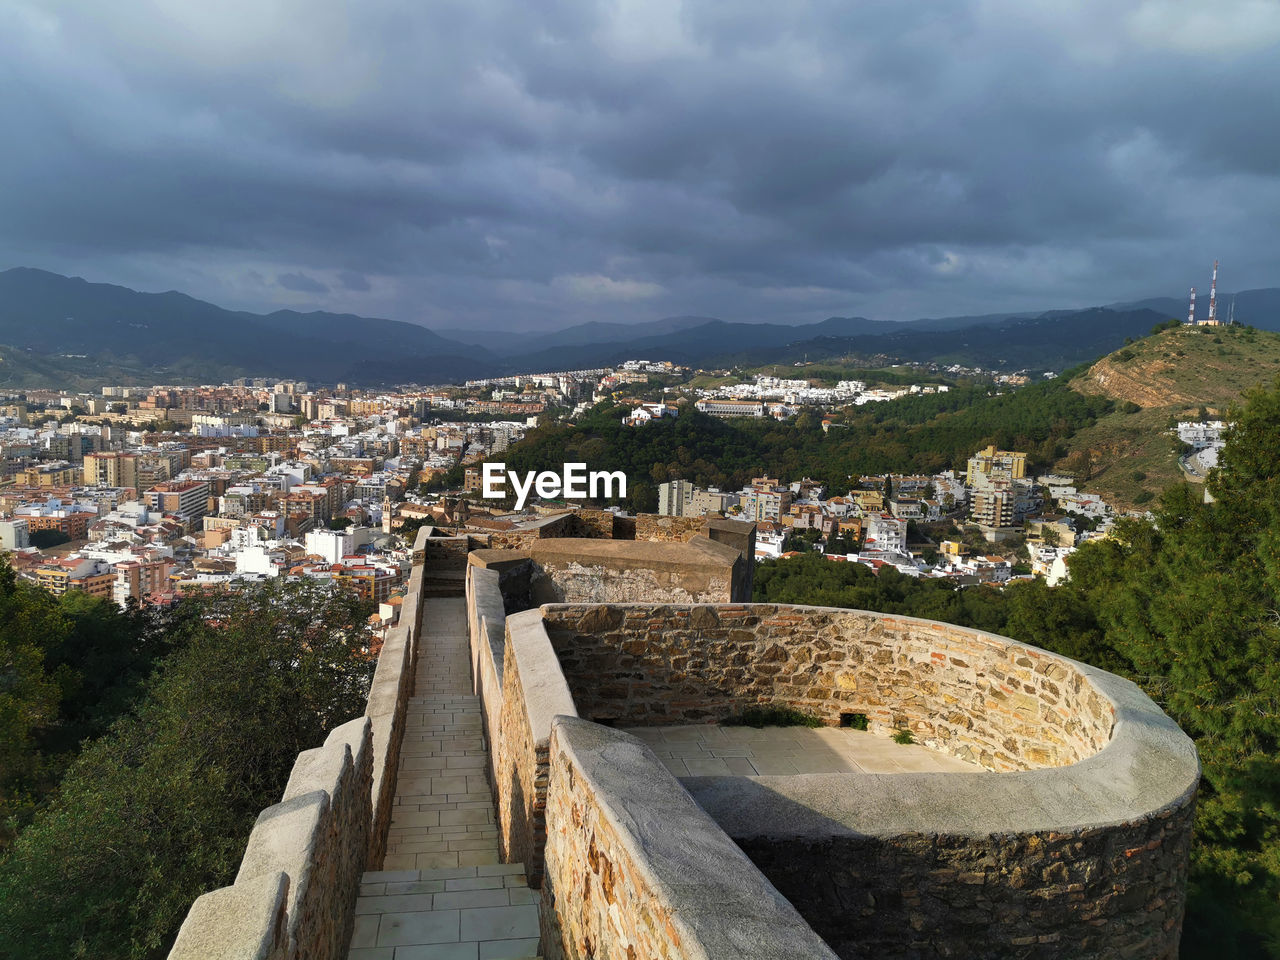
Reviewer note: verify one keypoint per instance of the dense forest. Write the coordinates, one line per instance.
(1186, 606)
(921, 433)
(139, 749)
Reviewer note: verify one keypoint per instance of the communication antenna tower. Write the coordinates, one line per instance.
(1191, 314)
(1213, 295)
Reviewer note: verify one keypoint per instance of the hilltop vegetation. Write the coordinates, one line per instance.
(1183, 373)
(921, 433)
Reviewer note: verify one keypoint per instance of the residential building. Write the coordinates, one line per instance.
(111, 469)
(648, 412)
(674, 498)
(188, 499)
(990, 462)
(333, 545)
(15, 534)
(60, 474)
(731, 408)
(371, 582)
(766, 499)
(886, 533)
(1001, 502)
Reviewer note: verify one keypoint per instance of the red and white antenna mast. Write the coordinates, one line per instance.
(1191, 314)
(1213, 295)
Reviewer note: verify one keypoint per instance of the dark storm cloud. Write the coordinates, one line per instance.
(351, 280)
(301, 283)
(495, 163)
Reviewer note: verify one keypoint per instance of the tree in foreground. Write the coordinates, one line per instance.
(158, 811)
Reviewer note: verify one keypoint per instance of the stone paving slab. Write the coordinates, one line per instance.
(442, 894)
(706, 750)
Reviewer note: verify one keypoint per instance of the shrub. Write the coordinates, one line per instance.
(854, 721)
(903, 736)
(772, 717)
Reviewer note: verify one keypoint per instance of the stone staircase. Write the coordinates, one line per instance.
(444, 583)
(442, 894)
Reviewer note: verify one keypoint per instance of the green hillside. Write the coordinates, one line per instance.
(1169, 376)
(23, 370)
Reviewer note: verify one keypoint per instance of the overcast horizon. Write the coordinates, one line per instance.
(492, 166)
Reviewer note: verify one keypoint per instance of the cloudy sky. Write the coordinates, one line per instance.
(470, 163)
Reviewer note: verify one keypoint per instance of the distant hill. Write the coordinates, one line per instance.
(67, 331)
(1048, 342)
(157, 333)
(506, 343)
(1256, 308)
(1170, 376)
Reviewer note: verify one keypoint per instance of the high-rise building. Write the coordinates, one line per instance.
(111, 469)
(1009, 464)
(674, 498)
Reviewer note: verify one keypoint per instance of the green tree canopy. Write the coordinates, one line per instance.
(158, 810)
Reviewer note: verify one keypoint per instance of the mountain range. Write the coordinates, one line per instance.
(52, 326)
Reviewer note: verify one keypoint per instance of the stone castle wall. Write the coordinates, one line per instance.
(295, 893)
(635, 869)
(533, 693)
(572, 570)
(659, 529)
(1080, 851)
(1083, 894)
(983, 698)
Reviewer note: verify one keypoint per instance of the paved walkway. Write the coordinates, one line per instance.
(706, 750)
(442, 894)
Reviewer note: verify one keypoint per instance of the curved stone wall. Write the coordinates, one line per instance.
(1003, 705)
(1078, 850)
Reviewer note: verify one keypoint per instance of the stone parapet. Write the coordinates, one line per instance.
(486, 631)
(533, 692)
(634, 868)
(1079, 849)
(657, 528)
(294, 895)
(983, 698)
(621, 571)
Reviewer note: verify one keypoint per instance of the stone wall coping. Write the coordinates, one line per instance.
(495, 558)
(738, 527)
(719, 902)
(659, 555)
(488, 610)
(1148, 768)
(546, 693)
(242, 922)
(714, 549)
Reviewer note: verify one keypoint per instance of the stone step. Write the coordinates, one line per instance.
(484, 912)
(447, 873)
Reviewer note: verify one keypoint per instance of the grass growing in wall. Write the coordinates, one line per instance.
(903, 736)
(772, 717)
